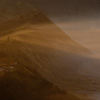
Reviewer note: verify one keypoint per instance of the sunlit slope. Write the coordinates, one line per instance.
(34, 27)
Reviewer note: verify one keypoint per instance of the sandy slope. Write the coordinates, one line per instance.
(35, 41)
(26, 51)
(38, 26)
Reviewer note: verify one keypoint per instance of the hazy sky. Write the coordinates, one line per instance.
(77, 18)
(85, 32)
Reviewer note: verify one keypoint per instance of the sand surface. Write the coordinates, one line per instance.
(46, 48)
(33, 42)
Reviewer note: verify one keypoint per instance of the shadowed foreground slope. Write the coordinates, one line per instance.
(19, 79)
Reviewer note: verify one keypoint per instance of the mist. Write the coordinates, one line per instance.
(80, 19)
